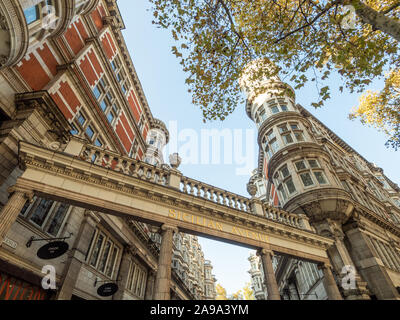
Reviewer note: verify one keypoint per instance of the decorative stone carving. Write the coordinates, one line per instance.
(14, 37)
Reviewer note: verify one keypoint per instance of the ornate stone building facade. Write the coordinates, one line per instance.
(66, 75)
(306, 169)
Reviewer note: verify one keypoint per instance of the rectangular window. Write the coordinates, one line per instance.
(98, 143)
(307, 180)
(299, 136)
(81, 119)
(90, 132)
(74, 130)
(290, 186)
(313, 164)
(112, 262)
(283, 129)
(110, 117)
(32, 14)
(96, 92)
(274, 109)
(300, 165)
(274, 145)
(104, 257)
(57, 219)
(42, 210)
(287, 138)
(284, 107)
(320, 177)
(285, 172)
(96, 250)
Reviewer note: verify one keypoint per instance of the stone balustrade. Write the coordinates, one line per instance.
(161, 175)
(284, 217)
(220, 196)
(125, 165)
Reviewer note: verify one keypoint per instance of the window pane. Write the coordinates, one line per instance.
(103, 105)
(90, 132)
(111, 263)
(103, 260)
(58, 219)
(294, 127)
(313, 163)
(110, 117)
(81, 119)
(320, 177)
(96, 250)
(275, 145)
(299, 136)
(285, 172)
(74, 130)
(274, 109)
(300, 165)
(41, 212)
(284, 107)
(31, 14)
(290, 185)
(25, 207)
(307, 180)
(288, 138)
(282, 193)
(96, 92)
(283, 129)
(98, 143)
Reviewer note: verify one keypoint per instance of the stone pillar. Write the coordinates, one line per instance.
(151, 279)
(13, 207)
(330, 285)
(269, 274)
(175, 179)
(123, 272)
(369, 265)
(163, 278)
(77, 256)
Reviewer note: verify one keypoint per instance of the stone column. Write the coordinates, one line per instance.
(151, 279)
(13, 207)
(370, 266)
(163, 278)
(77, 256)
(269, 274)
(330, 285)
(123, 272)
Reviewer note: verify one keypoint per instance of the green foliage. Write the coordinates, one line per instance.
(216, 40)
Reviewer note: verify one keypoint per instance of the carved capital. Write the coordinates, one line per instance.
(28, 193)
(168, 228)
(263, 252)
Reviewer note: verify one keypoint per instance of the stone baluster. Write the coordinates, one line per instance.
(99, 159)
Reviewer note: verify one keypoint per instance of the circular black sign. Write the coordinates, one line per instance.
(107, 290)
(53, 250)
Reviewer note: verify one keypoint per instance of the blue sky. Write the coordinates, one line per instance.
(163, 82)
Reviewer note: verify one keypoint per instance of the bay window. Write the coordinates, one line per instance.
(311, 173)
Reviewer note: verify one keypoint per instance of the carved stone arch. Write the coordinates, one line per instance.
(14, 34)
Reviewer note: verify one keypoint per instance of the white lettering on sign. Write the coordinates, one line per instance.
(10, 243)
